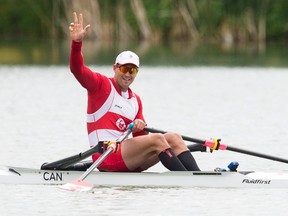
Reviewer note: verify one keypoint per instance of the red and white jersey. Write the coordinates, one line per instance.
(112, 118)
(108, 111)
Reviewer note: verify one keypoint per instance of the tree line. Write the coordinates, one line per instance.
(231, 21)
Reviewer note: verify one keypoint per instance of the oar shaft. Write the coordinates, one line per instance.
(222, 146)
(97, 163)
(190, 139)
(106, 153)
(243, 151)
(64, 163)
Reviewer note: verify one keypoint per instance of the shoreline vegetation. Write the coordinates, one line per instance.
(162, 30)
(225, 21)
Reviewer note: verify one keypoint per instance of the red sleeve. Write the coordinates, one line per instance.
(140, 116)
(87, 78)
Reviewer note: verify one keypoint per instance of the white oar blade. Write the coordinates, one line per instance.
(77, 186)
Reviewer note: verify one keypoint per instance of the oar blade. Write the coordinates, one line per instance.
(77, 186)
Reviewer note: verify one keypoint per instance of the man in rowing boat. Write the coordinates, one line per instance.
(112, 105)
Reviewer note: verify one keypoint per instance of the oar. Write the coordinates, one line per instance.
(62, 164)
(80, 184)
(216, 145)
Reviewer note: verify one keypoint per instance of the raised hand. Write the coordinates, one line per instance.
(77, 32)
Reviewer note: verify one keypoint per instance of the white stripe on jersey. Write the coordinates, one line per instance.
(117, 104)
(106, 135)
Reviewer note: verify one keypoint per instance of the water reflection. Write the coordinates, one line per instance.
(179, 53)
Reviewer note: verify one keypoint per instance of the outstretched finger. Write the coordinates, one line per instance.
(75, 18)
(86, 28)
(80, 19)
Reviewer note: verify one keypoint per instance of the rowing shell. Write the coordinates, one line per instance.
(18, 175)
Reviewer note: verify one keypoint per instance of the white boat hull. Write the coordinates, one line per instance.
(17, 175)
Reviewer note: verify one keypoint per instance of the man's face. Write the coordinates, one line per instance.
(124, 75)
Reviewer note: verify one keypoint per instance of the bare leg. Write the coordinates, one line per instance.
(176, 142)
(140, 152)
(136, 151)
(181, 150)
(154, 159)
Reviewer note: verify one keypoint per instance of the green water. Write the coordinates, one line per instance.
(176, 54)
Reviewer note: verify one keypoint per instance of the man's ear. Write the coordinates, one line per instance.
(114, 67)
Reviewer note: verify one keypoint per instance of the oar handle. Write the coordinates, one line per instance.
(126, 133)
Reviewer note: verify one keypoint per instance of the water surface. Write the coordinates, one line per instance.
(42, 118)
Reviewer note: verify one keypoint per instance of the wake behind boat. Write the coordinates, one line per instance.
(209, 179)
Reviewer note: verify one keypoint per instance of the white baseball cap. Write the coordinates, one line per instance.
(127, 57)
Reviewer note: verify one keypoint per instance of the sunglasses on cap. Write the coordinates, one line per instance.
(127, 68)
